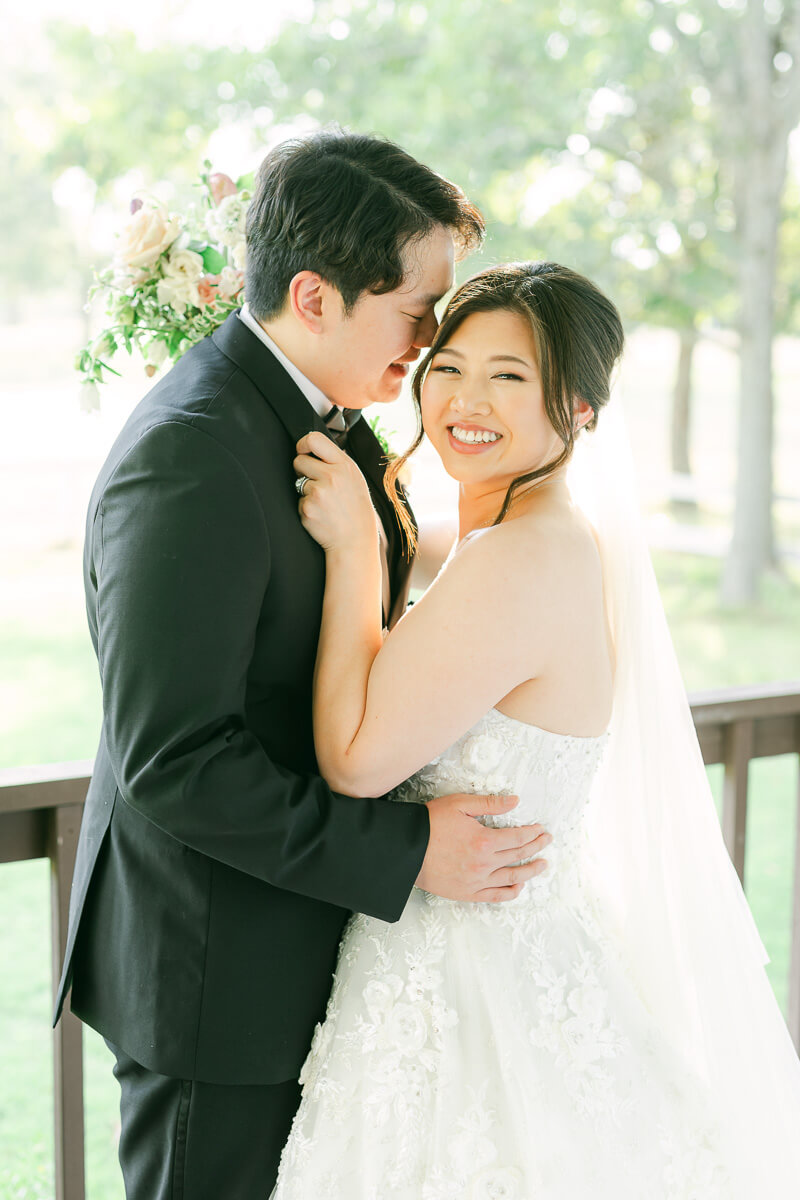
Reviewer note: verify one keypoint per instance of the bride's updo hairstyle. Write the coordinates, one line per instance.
(578, 337)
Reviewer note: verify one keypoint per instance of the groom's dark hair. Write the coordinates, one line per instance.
(344, 205)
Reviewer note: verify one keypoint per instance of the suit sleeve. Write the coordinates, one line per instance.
(181, 557)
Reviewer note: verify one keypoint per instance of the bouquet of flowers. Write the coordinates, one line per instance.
(173, 279)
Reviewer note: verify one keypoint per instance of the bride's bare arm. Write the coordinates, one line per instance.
(382, 709)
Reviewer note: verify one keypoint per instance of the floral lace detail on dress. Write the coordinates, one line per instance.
(498, 1052)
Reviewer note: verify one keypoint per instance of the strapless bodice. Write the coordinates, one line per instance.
(552, 773)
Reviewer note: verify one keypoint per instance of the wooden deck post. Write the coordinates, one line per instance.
(793, 1016)
(68, 1039)
(738, 750)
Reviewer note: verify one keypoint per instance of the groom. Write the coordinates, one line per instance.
(215, 868)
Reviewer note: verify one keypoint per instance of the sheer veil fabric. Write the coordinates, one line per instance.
(695, 953)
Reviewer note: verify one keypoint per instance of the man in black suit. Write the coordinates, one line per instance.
(215, 867)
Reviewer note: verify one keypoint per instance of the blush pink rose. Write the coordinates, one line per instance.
(221, 186)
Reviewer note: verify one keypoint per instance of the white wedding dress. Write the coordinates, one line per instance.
(491, 1052)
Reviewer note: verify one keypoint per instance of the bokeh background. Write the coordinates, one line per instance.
(652, 144)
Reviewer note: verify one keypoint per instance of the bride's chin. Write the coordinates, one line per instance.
(470, 472)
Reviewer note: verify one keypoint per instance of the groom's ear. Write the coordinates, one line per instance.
(314, 302)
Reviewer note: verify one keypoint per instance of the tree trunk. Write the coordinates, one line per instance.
(680, 420)
(760, 155)
(752, 548)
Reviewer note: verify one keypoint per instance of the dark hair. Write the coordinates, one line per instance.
(344, 205)
(578, 336)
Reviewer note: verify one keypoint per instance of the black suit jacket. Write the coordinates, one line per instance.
(215, 867)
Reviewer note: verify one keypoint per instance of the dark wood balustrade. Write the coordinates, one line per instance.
(40, 811)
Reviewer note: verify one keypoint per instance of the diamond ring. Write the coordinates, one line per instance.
(300, 485)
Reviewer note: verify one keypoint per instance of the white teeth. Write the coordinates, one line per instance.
(474, 435)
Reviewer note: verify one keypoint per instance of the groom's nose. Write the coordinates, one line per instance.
(425, 331)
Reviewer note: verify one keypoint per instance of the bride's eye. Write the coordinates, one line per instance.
(509, 375)
(445, 367)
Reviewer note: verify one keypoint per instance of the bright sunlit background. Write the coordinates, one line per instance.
(622, 137)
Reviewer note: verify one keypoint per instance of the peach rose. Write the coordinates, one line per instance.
(150, 231)
(206, 290)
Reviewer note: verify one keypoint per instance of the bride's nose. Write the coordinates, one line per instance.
(468, 399)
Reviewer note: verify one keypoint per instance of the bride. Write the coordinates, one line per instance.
(610, 1031)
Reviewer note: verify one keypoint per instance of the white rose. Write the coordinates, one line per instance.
(147, 235)
(230, 283)
(183, 264)
(499, 1183)
(407, 1029)
(226, 223)
(240, 255)
(176, 294)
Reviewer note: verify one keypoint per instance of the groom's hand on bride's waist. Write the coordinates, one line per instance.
(466, 860)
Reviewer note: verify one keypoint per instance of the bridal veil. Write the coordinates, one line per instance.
(695, 954)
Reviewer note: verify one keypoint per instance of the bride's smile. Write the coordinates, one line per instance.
(483, 404)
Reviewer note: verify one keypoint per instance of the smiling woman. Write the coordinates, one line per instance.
(545, 346)
(590, 1009)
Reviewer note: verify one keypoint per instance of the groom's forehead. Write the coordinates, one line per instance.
(428, 270)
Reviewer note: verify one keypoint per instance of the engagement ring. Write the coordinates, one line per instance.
(300, 485)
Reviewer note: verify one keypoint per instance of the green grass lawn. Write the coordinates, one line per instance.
(55, 716)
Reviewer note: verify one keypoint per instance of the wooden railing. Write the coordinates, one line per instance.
(40, 816)
(40, 811)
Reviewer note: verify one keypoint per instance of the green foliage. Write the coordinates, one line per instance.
(591, 136)
(603, 136)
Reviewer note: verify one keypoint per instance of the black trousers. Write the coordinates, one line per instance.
(186, 1140)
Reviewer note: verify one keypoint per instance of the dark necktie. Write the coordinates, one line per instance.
(339, 421)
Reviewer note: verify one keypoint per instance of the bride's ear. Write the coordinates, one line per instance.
(582, 414)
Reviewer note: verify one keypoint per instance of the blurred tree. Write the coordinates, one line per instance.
(696, 98)
(36, 248)
(119, 106)
(747, 52)
(110, 108)
(643, 141)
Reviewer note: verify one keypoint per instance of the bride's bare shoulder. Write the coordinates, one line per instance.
(561, 544)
